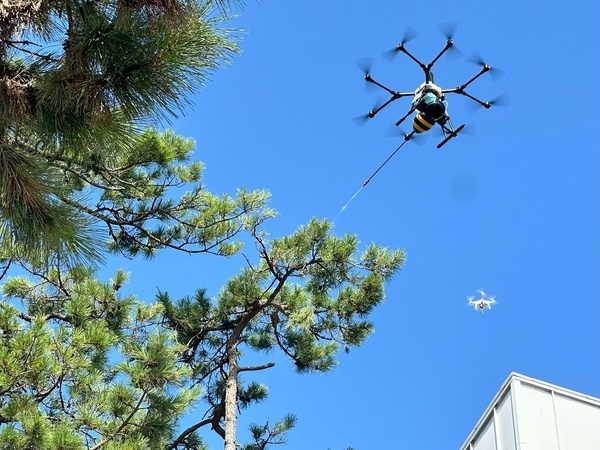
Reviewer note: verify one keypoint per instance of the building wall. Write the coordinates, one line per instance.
(529, 414)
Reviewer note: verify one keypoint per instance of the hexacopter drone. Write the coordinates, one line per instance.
(482, 303)
(429, 101)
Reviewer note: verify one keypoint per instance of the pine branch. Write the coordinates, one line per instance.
(256, 368)
(125, 422)
(181, 439)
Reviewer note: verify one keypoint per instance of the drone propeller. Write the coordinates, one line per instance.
(362, 119)
(475, 58)
(500, 100)
(417, 138)
(470, 129)
(365, 65)
(409, 35)
(484, 296)
(448, 29)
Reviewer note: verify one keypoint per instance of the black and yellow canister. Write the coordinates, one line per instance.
(422, 123)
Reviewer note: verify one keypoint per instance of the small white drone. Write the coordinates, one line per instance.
(482, 303)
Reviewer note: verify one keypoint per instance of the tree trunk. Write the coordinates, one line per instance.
(231, 390)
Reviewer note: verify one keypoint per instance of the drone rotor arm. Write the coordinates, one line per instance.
(370, 79)
(401, 48)
(404, 94)
(447, 47)
(483, 70)
(476, 59)
(455, 90)
(380, 107)
(395, 94)
(402, 119)
(486, 105)
(409, 35)
(461, 91)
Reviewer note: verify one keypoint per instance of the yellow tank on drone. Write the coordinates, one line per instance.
(421, 124)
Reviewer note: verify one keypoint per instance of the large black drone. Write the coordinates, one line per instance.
(429, 100)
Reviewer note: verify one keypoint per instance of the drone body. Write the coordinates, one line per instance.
(483, 303)
(431, 106)
(429, 100)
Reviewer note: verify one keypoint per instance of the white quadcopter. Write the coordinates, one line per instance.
(482, 303)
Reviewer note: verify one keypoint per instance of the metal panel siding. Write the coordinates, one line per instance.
(578, 424)
(505, 426)
(487, 439)
(536, 415)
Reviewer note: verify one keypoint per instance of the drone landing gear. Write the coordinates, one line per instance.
(450, 135)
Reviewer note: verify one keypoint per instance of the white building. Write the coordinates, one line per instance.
(528, 414)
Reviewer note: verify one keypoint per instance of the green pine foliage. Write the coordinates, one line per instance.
(87, 366)
(85, 171)
(84, 367)
(80, 82)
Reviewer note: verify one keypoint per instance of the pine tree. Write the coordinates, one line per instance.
(309, 294)
(79, 83)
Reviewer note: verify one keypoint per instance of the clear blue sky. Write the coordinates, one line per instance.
(513, 209)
